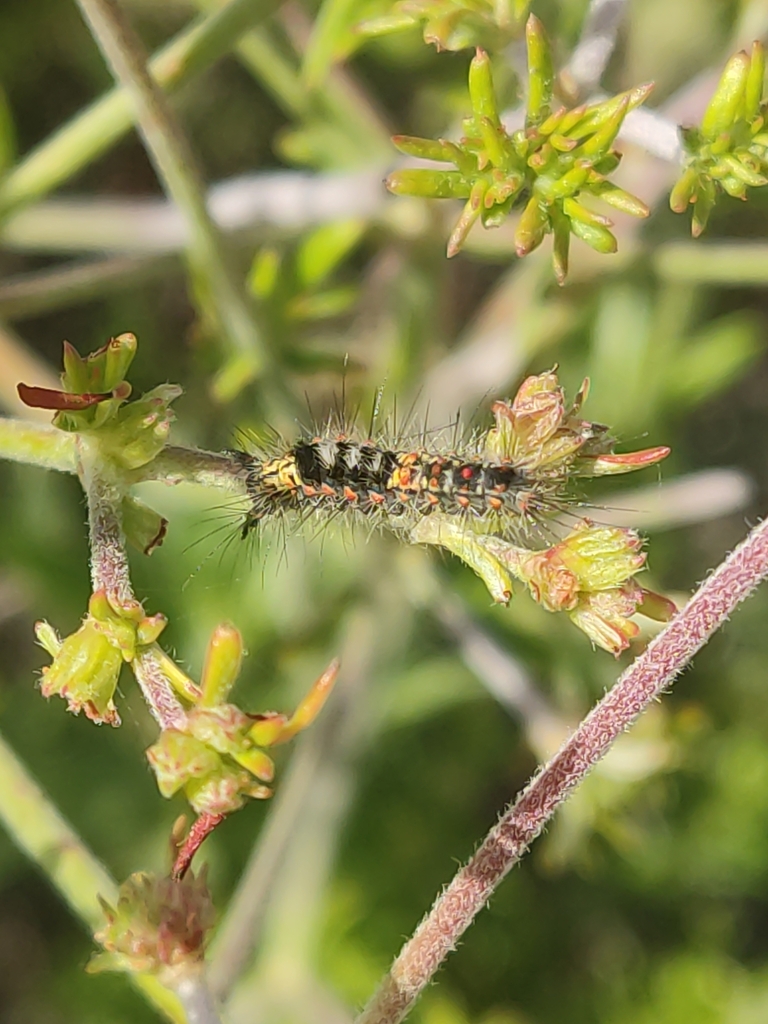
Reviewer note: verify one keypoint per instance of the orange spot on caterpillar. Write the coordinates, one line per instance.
(349, 494)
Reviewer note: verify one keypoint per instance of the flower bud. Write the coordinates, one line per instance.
(221, 668)
(159, 926)
(84, 671)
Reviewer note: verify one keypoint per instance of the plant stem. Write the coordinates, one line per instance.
(218, 292)
(109, 561)
(37, 445)
(97, 127)
(110, 573)
(45, 446)
(175, 465)
(38, 829)
(735, 264)
(645, 680)
(197, 1000)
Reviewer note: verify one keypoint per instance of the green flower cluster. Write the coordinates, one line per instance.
(217, 757)
(729, 152)
(589, 575)
(548, 167)
(454, 24)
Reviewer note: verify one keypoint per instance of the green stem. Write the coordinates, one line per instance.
(220, 295)
(92, 132)
(40, 831)
(39, 445)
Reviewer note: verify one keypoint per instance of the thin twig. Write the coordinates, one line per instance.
(645, 680)
(109, 560)
(157, 691)
(37, 444)
(263, 205)
(217, 289)
(110, 573)
(43, 445)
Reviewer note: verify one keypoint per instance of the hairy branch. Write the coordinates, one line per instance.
(648, 677)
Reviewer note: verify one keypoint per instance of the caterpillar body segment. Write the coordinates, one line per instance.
(337, 474)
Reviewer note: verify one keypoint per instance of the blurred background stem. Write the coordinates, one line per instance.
(41, 832)
(96, 128)
(220, 296)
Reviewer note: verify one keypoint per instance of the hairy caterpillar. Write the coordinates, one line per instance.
(504, 481)
(336, 473)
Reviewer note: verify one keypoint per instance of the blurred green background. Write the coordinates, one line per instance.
(647, 900)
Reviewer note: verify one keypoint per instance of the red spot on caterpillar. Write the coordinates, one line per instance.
(467, 473)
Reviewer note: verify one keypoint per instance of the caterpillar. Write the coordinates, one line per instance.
(507, 480)
(333, 474)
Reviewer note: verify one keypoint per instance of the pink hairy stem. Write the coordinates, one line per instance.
(648, 676)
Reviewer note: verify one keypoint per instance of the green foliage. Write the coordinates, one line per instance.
(560, 159)
(729, 151)
(646, 899)
(454, 24)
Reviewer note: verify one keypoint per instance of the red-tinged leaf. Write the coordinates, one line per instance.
(48, 398)
(604, 465)
(656, 606)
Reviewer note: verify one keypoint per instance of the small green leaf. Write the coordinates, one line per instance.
(540, 71)
(703, 204)
(727, 104)
(753, 89)
(432, 184)
(685, 190)
(470, 213)
(597, 237)
(481, 92)
(325, 248)
(264, 273)
(426, 149)
(532, 227)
